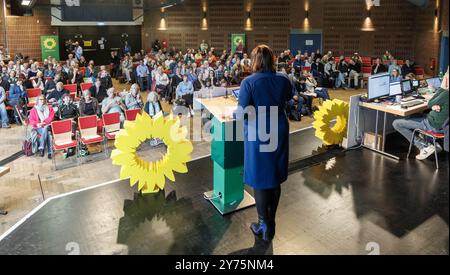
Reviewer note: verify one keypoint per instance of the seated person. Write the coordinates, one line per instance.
(162, 84)
(50, 71)
(113, 104)
(433, 122)
(68, 110)
(312, 88)
(50, 85)
(185, 90)
(38, 81)
(98, 91)
(407, 68)
(17, 97)
(354, 69)
(394, 66)
(41, 117)
(89, 105)
(57, 94)
(133, 98)
(331, 73)
(153, 106)
(105, 78)
(395, 76)
(3, 114)
(236, 79)
(378, 67)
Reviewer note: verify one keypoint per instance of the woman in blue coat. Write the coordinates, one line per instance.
(266, 159)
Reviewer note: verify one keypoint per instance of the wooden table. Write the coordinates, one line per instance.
(394, 109)
(3, 171)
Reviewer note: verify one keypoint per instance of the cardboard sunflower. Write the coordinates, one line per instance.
(324, 118)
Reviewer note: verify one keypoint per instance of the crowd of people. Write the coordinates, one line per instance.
(168, 75)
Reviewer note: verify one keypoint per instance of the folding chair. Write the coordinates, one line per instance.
(62, 138)
(88, 131)
(85, 86)
(72, 88)
(130, 115)
(433, 136)
(111, 127)
(32, 95)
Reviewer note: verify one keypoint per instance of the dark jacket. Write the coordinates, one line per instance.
(381, 69)
(83, 107)
(68, 111)
(17, 93)
(100, 94)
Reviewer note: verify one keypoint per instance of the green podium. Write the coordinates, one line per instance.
(227, 153)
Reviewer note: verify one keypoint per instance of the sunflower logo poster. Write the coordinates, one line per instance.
(237, 43)
(50, 47)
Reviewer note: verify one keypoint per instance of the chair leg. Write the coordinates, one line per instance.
(435, 153)
(54, 159)
(411, 144)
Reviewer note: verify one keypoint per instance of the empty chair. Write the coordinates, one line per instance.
(32, 95)
(88, 131)
(63, 138)
(130, 115)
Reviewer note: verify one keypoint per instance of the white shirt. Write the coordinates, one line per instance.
(162, 79)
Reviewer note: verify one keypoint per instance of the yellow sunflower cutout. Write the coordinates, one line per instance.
(330, 110)
(151, 175)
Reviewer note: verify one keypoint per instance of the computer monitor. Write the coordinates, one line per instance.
(407, 87)
(434, 82)
(379, 86)
(415, 84)
(395, 89)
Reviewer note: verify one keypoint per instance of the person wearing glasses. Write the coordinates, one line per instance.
(41, 117)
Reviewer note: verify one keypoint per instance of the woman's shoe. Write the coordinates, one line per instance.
(41, 153)
(264, 230)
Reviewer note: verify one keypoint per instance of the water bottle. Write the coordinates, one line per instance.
(441, 75)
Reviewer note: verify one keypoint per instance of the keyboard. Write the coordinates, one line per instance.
(412, 103)
(408, 99)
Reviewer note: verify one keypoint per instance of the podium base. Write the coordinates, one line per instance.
(247, 202)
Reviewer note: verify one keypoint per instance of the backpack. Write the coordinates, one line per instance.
(295, 115)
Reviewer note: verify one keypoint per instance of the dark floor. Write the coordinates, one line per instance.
(346, 204)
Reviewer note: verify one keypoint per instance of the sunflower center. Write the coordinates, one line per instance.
(151, 150)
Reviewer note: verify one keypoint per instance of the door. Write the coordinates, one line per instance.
(310, 42)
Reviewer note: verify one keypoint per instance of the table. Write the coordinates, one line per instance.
(227, 153)
(394, 110)
(3, 171)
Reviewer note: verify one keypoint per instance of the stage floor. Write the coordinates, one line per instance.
(346, 204)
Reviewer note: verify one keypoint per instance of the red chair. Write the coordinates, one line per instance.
(62, 138)
(130, 115)
(366, 61)
(419, 72)
(400, 62)
(88, 131)
(347, 59)
(111, 125)
(307, 69)
(82, 71)
(72, 89)
(433, 136)
(86, 86)
(367, 72)
(32, 95)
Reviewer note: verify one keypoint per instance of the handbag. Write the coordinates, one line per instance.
(295, 115)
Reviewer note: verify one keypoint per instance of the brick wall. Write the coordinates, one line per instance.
(24, 32)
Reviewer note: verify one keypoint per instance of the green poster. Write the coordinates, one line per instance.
(50, 46)
(237, 42)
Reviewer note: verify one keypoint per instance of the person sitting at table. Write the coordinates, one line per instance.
(113, 104)
(41, 117)
(395, 76)
(185, 91)
(89, 105)
(433, 122)
(133, 99)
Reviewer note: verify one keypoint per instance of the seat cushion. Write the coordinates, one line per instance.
(91, 139)
(112, 135)
(436, 135)
(62, 146)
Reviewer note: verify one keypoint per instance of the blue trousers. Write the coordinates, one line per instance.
(300, 105)
(4, 115)
(408, 125)
(44, 139)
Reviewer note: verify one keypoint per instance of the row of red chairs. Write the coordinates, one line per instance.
(88, 133)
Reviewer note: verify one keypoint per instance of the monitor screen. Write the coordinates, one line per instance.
(434, 82)
(406, 86)
(395, 89)
(416, 83)
(379, 86)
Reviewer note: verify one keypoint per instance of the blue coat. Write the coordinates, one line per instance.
(265, 170)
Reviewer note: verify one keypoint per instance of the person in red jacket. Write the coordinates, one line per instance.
(41, 117)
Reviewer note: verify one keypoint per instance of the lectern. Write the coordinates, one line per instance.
(227, 154)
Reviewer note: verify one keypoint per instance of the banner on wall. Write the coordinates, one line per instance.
(238, 43)
(50, 46)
